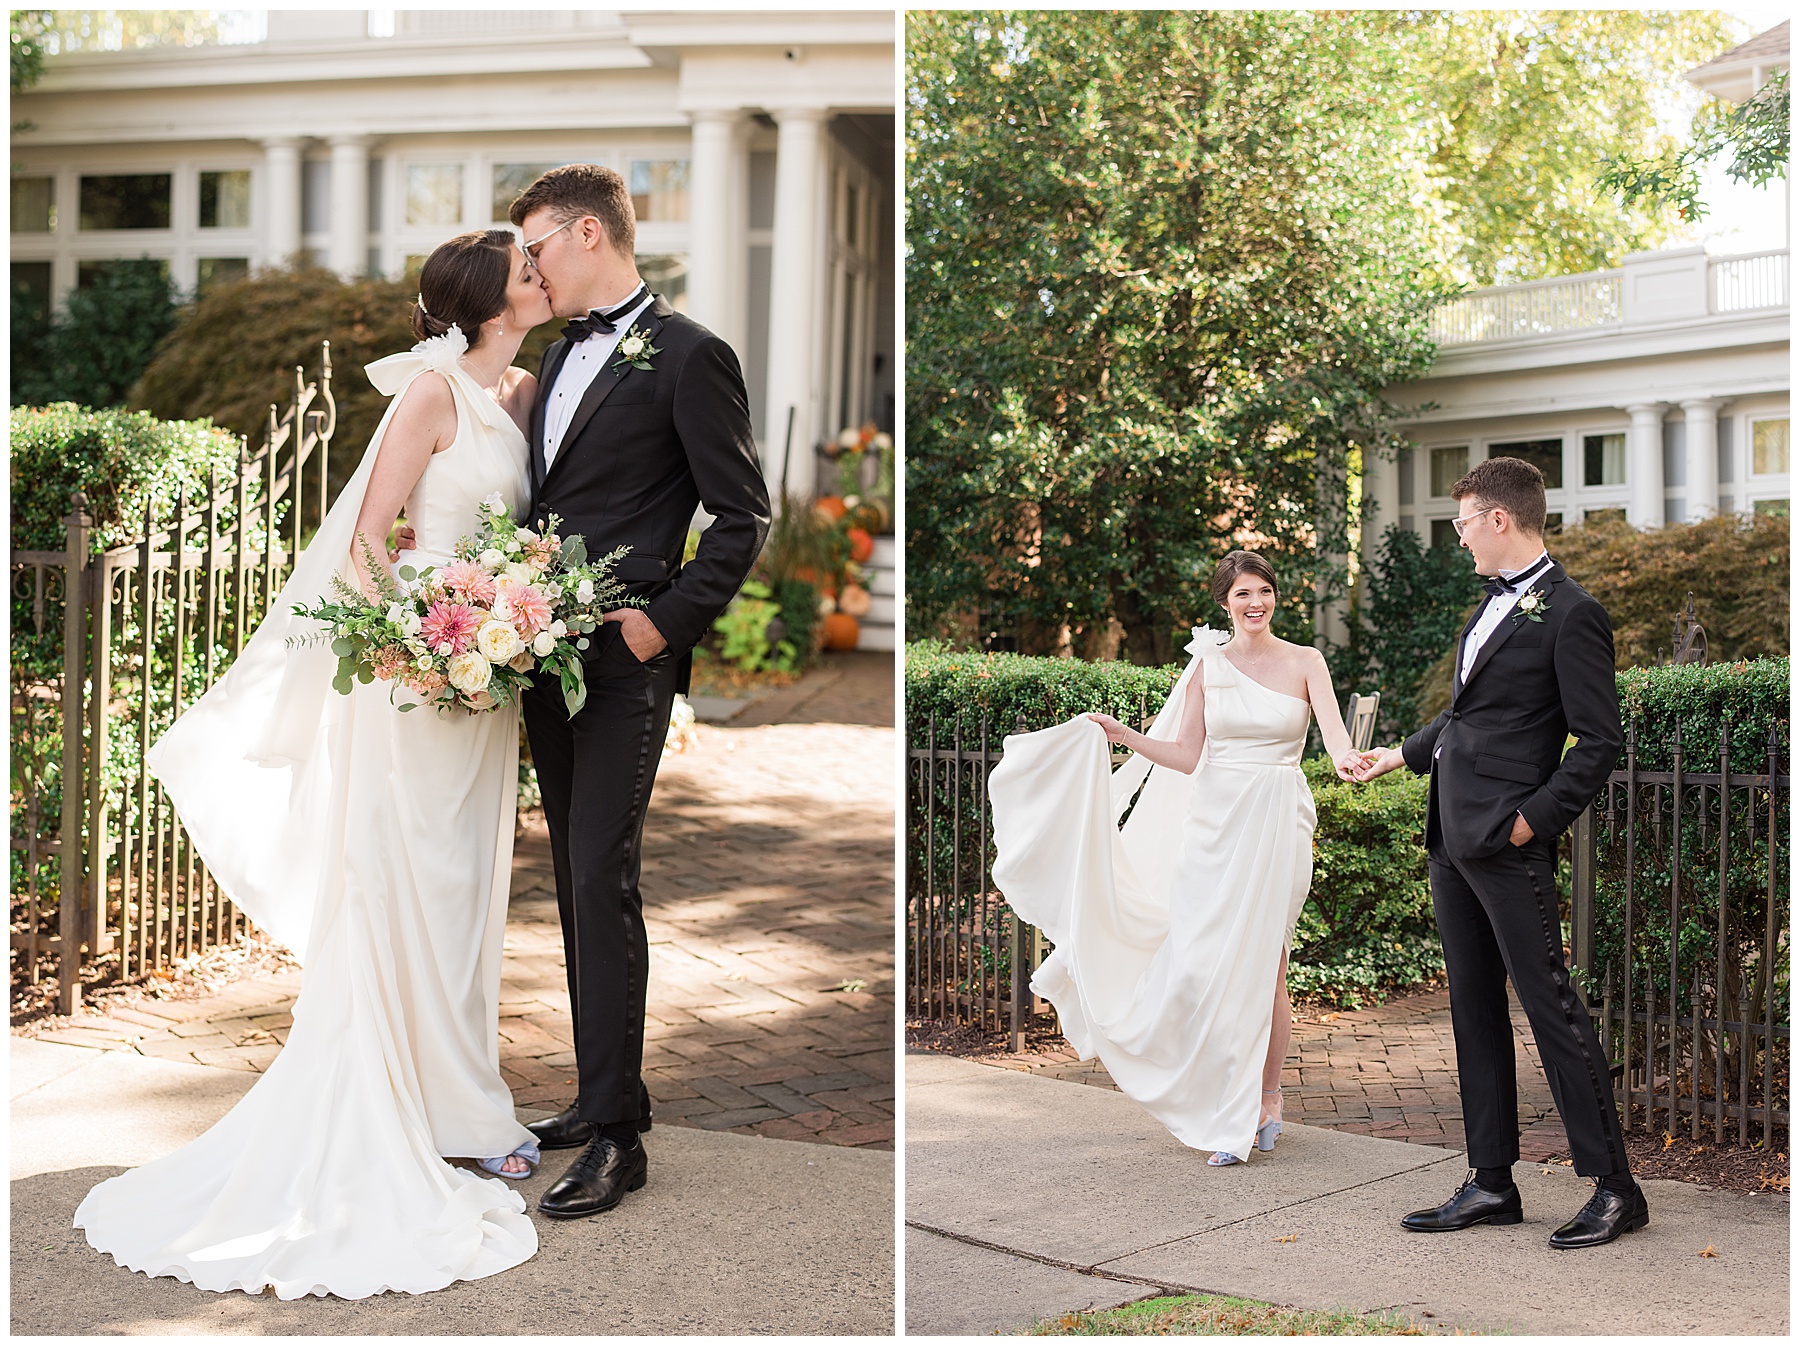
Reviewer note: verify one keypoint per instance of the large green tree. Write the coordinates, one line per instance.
(1159, 267)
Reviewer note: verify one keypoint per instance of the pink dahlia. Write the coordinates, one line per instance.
(530, 610)
(449, 624)
(468, 579)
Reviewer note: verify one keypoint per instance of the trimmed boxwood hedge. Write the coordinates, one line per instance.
(1367, 929)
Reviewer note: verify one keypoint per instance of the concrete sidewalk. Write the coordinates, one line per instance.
(733, 1235)
(1028, 1197)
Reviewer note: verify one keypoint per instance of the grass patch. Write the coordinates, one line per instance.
(1221, 1316)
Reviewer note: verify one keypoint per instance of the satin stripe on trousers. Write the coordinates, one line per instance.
(596, 773)
(1498, 917)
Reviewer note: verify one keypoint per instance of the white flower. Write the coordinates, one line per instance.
(442, 352)
(559, 628)
(444, 648)
(513, 544)
(521, 572)
(633, 345)
(553, 590)
(416, 646)
(492, 559)
(883, 441)
(469, 672)
(525, 535)
(396, 614)
(584, 591)
(849, 438)
(498, 642)
(543, 644)
(496, 504)
(501, 607)
(425, 662)
(522, 662)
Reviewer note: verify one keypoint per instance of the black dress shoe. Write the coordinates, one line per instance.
(566, 1131)
(1470, 1204)
(1603, 1219)
(597, 1181)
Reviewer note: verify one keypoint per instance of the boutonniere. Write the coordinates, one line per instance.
(635, 350)
(1532, 606)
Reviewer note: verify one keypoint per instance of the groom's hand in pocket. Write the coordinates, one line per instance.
(1521, 832)
(639, 632)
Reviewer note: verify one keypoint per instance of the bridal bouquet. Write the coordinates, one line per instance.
(513, 604)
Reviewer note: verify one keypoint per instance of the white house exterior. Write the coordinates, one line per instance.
(1656, 391)
(759, 148)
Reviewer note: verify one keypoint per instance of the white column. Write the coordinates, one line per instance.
(1702, 456)
(1644, 464)
(348, 252)
(281, 196)
(716, 225)
(794, 271)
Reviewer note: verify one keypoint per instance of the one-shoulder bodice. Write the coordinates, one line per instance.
(488, 455)
(1248, 724)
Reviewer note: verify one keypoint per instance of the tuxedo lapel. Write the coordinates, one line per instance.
(649, 322)
(1510, 623)
(539, 405)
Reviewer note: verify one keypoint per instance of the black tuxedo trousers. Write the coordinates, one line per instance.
(595, 772)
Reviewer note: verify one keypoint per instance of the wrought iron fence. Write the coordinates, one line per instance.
(1678, 914)
(147, 626)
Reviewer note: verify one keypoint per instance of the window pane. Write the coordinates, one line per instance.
(1778, 508)
(509, 181)
(1446, 466)
(125, 201)
(434, 193)
(1604, 516)
(667, 276)
(34, 205)
(31, 294)
(1552, 524)
(211, 271)
(225, 199)
(1443, 531)
(1603, 460)
(86, 273)
(1769, 446)
(1546, 455)
(659, 189)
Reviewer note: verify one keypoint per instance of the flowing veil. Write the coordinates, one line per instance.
(247, 766)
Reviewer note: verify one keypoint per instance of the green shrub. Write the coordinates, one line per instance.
(1010, 688)
(95, 348)
(1367, 928)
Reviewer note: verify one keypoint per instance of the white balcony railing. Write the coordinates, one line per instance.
(1535, 308)
(1755, 280)
(1649, 288)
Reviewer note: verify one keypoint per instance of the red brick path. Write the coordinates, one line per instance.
(769, 896)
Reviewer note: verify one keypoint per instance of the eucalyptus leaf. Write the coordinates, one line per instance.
(343, 647)
(574, 551)
(408, 573)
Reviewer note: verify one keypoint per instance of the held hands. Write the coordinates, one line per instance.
(640, 633)
(1376, 762)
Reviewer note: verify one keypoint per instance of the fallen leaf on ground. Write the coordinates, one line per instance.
(1707, 1251)
(1288, 1238)
(1668, 1140)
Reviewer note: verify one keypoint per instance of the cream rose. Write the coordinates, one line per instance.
(469, 672)
(542, 644)
(492, 558)
(498, 642)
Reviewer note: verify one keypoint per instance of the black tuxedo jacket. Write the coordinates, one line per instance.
(1498, 750)
(643, 448)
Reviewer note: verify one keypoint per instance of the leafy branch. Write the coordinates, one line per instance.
(1755, 131)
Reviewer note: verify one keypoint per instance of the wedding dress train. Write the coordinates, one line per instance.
(378, 845)
(1169, 930)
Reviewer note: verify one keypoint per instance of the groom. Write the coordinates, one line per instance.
(1534, 666)
(623, 449)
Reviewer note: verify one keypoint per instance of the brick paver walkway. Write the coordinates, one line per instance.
(769, 897)
(1389, 1071)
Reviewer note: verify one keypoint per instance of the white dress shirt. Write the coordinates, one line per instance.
(1498, 606)
(584, 362)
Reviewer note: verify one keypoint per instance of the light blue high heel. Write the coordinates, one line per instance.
(528, 1152)
(1269, 1130)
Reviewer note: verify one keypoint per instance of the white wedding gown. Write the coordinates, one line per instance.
(378, 845)
(1169, 931)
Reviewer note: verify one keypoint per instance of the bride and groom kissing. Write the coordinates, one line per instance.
(1172, 929)
(378, 845)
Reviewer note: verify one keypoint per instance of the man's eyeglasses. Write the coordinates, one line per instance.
(1460, 524)
(531, 249)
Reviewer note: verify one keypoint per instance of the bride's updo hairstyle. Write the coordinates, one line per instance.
(1235, 564)
(463, 284)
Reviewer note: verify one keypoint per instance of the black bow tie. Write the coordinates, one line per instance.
(606, 321)
(1500, 585)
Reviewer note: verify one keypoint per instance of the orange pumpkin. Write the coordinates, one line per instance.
(832, 507)
(862, 546)
(841, 631)
(855, 600)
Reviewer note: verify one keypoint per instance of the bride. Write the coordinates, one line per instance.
(1172, 932)
(379, 846)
